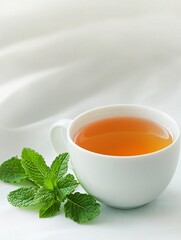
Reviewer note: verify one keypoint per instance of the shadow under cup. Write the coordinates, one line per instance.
(124, 181)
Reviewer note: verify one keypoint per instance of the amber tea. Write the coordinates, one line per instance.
(123, 136)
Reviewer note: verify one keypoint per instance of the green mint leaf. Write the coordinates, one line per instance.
(60, 166)
(66, 185)
(49, 180)
(23, 197)
(81, 207)
(45, 196)
(11, 171)
(49, 210)
(34, 165)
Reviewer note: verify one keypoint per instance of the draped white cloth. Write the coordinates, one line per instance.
(59, 58)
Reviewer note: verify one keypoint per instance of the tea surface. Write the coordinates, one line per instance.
(123, 136)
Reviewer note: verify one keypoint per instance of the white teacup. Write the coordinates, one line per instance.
(119, 181)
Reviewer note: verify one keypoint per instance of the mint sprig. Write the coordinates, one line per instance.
(53, 186)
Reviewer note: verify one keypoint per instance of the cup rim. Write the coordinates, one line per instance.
(132, 156)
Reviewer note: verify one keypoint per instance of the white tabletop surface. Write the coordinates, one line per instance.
(59, 58)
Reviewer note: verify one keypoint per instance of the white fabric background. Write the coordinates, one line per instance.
(59, 58)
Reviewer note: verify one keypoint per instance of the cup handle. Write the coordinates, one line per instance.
(58, 135)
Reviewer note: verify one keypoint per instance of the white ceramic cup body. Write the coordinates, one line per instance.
(120, 181)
